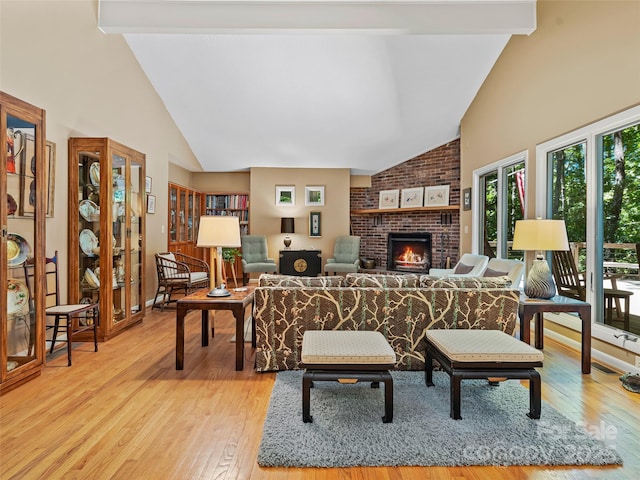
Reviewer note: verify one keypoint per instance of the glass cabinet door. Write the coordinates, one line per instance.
(132, 274)
(21, 242)
(173, 214)
(88, 274)
(120, 237)
(182, 216)
(190, 213)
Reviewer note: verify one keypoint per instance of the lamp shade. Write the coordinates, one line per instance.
(287, 225)
(219, 231)
(540, 234)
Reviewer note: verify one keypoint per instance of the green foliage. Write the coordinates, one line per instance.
(230, 254)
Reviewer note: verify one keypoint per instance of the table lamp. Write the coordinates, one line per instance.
(216, 232)
(540, 235)
(287, 226)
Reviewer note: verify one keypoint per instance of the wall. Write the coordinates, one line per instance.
(579, 66)
(265, 214)
(52, 55)
(440, 166)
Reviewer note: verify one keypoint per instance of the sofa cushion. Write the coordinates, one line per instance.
(493, 273)
(266, 280)
(381, 280)
(427, 281)
(462, 269)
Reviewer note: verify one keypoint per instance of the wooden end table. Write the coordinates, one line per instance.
(237, 302)
(536, 308)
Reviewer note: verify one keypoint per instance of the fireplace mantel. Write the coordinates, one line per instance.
(372, 211)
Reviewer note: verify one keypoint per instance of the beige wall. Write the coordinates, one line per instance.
(53, 56)
(580, 65)
(265, 214)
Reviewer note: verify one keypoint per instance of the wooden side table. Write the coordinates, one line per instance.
(236, 303)
(535, 308)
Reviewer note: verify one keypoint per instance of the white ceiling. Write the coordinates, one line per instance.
(306, 83)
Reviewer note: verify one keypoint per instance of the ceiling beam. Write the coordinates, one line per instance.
(417, 17)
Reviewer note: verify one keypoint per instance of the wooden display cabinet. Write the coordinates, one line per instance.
(24, 194)
(185, 207)
(107, 205)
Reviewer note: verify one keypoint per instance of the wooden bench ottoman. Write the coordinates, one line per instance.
(482, 354)
(347, 356)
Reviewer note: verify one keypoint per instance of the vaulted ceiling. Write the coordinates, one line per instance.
(362, 85)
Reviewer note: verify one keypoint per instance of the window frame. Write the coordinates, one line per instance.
(591, 135)
(500, 167)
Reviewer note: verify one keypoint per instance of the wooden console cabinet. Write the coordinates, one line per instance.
(302, 263)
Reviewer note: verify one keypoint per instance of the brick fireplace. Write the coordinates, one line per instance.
(440, 166)
(409, 252)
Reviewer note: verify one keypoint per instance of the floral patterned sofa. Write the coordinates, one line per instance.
(401, 307)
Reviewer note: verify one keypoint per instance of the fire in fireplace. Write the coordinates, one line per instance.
(409, 252)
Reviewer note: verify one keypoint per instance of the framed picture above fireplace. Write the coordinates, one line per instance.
(436, 196)
(389, 199)
(411, 197)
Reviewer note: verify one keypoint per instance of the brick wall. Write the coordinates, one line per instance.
(440, 166)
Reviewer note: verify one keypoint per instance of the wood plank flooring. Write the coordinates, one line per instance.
(126, 413)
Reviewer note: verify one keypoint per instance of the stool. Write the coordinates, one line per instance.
(347, 356)
(609, 296)
(481, 354)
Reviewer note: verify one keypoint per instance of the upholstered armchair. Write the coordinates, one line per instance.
(346, 256)
(469, 265)
(498, 267)
(254, 256)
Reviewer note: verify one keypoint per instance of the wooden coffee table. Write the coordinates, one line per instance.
(236, 303)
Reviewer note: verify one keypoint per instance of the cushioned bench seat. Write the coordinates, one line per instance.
(346, 356)
(482, 354)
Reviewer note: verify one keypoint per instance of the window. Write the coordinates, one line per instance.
(591, 179)
(500, 202)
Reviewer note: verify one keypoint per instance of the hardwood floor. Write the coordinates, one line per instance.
(126, 413)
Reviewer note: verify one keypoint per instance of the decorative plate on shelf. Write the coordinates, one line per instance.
(12, 206)
(88, 241)
(91, 278)
(18, 249)
(94, 173)
(17, 296)
(89, 211)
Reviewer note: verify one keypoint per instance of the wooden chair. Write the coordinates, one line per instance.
(569, 281)
(77, 318)
(178, 272)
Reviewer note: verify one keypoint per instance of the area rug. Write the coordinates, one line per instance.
(347, 428)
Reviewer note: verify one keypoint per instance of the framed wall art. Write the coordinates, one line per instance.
(314, 225)
(286, 196)
(466, 199)
(314, 196)
(436, 196)
(411, 197)
(147, 184)
(388, 199)
(151, 204)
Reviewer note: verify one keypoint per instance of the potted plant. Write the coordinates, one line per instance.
(229, 256)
